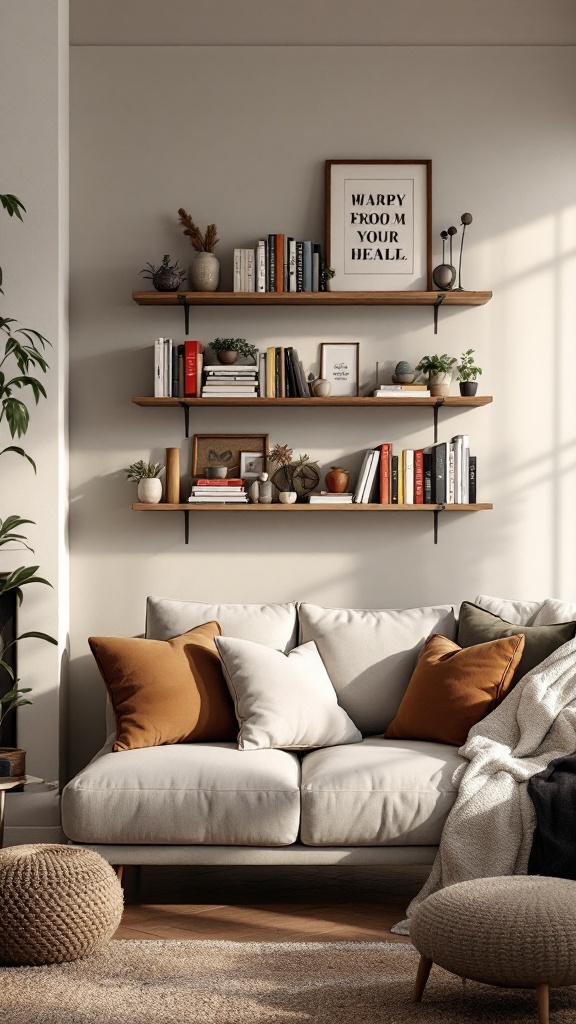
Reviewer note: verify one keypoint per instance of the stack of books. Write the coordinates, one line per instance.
(442, 474)
(329, 498)
(230, 381)
(402, 391)
(281, 374)
(279, 263)
(177, 368)
(208, 491)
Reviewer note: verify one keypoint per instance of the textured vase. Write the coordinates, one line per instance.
(150, 490)
(439, 384)
(205, 272)
(337, 480)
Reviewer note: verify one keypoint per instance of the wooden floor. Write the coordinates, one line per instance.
(301, 904)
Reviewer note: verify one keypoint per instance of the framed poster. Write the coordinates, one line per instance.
(378, 224)
(211, 451)
(339, 364)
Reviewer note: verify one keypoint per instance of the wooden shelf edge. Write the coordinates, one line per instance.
(361, 298)
(452, 401)
(186, 507)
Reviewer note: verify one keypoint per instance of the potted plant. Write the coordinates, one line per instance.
(467, 373)
(327, 274)
(439, 370)
(228, 349)
(23, 353)
(205, 269)
(167, 277)
(147, 476)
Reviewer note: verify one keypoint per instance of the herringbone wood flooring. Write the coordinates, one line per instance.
(301, 904)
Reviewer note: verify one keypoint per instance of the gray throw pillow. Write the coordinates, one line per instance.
(477, 626)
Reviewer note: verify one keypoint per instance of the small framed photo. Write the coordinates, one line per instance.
(251, 465)
(219, 455)
(339, 364)
(378, 224)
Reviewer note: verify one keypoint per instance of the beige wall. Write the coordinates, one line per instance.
(238, 135)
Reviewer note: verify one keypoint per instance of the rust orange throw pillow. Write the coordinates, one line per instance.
(166, 691)
(452, 688)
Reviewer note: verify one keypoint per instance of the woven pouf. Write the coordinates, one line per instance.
(57, 903)
(517, 931)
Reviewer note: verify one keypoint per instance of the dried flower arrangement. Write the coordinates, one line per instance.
(201, 242)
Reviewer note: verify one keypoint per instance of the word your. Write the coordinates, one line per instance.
(394, 251)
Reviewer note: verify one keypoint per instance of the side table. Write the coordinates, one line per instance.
(12, 783)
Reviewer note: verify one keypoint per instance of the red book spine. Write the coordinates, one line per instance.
(191, 350)
(385, 457)
(279, 263)
(202, 481)
(418, 477)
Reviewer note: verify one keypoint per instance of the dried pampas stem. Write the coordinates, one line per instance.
(198, 241)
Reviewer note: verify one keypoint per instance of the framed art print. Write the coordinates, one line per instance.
(378, 224)
(339, 363)
(210, 451)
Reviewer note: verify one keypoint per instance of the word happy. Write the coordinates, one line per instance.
(382, 217)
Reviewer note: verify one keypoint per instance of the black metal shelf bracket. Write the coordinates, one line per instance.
(186, 408)
(437, 406)
(437, 304)
(437, 511)
(186, 526)
(183, 302)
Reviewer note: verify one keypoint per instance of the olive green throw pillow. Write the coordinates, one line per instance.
(477, 626)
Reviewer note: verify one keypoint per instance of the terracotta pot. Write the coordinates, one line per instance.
(439, 384)
(337, 480)
(468, 388)
(227, 357)
(17, 759)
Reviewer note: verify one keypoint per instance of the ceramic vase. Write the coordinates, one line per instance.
(150, 490)
(254, 492)
(439, 384)
(321, 387)
(287, 497)
(205, 272)
(265, 489)
(337, 480)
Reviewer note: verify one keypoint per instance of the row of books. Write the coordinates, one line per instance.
(177, 368)
(279, 263)
(443, 473)
(206, 491)
(281, 374)
(401, 391)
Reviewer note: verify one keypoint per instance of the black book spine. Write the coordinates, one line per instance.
(291, 374)
(394, 481)
(175, 374)
(427, 460)
(277, 389)
(472, 480)
(439, 474)
(271, 263)
(299, 266)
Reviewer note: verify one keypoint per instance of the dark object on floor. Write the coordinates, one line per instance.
(553, 793)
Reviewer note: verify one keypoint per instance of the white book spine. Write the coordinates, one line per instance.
(292, 265)
(451, 485)
(250, 271)
(373, 466)
(362, 477)
(261, 267)
(242, 270)
(315, 272)
(457, 442)
(237, 279)
(262, 375)
(465, 469)
(159, 368)
(409, 476)
(169, 357)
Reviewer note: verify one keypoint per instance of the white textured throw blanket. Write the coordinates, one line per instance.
(489, 829)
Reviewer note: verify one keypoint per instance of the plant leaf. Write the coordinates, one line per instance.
(20, 451)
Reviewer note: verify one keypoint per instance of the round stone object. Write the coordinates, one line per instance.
(57, 903)
(517, 931)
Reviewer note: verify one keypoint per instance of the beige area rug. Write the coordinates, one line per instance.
(253, 983)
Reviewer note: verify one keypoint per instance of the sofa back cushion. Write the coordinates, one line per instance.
(273, 625)
(370, 655)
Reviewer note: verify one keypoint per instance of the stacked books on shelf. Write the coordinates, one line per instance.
(281, 374)
(230, 381)
(209, 491)
(329, 498)
(279, 263)
(177, 368)
(441, 474)
(401, 391)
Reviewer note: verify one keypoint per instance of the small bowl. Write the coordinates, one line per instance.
(215, 472)
(287, 497)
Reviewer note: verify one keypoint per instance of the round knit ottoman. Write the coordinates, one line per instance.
(57, 903)
(517, 931)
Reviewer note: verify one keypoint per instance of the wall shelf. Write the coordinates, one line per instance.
(326, 403)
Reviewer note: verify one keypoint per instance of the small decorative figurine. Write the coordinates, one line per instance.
(444, 274)
(265, 489)
(465, 219)
(403, 373)
(167, 277)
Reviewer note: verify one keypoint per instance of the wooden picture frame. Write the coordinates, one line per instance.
(379, 224)
(340, 365)
(224, 450)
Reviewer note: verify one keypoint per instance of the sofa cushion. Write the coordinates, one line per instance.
(551, 610)
(377, 793)
(274, 625)
(166, 691)
(452, 689)
(370, 655)
(521, 613)
(478, 626)
(201, 793)
(283, 700)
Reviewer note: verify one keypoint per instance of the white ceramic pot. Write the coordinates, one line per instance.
(287, 497)
(321, 387)
(439, 384)
(150, 490)
(205, 272)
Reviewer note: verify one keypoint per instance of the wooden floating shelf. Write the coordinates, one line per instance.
(327, 403)
(404, 298)
(187, 507)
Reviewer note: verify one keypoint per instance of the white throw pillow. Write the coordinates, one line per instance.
(284, 701)
(518, 613)
(274, 625)
(552, 610)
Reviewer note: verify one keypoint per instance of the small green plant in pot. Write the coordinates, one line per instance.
(467, 373)
(439, 370)
(147, 476)
(228, 349)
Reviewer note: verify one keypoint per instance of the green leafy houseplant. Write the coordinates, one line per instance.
(436, 364)
(239, 345)
(23, 352)
(466, 370)
(143, 471)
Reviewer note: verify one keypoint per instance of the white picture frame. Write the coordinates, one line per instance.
(339, 364)
(378, 224)
(251, 465)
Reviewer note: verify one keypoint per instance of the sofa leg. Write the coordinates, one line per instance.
(119, 869)
(424, 968)
(542, 998)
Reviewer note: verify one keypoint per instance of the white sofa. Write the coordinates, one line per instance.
(378, 801)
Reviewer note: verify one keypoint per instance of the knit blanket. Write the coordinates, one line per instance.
(490, 827)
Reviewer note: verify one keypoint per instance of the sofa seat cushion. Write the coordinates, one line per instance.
(201, 793)
(378, 793)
